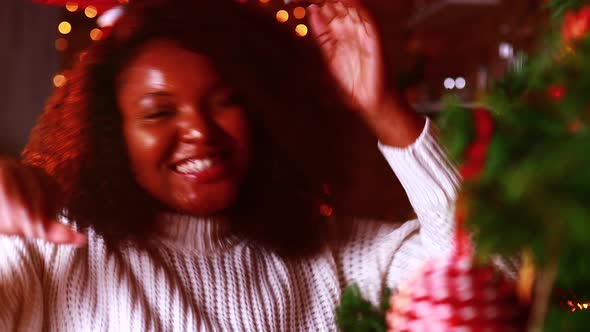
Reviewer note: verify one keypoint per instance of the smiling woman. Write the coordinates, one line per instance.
(171, 146)
(188, 90)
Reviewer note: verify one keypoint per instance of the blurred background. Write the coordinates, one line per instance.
(433, 47)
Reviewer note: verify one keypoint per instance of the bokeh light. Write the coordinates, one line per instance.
(264, 1)
(449, 83)
(326, 210)
(96, 34)
(301, 30)
(59, 80)
(64, 27)
(282, 16)
(460, 83)
(90, 12)
(61, 44)
(299, 12)
(71, 6)
(506, 50)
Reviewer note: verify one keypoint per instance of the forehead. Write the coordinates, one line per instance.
(165, 62)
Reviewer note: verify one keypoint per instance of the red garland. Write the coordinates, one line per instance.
(576, 24)
(100, 5)
(476, 153)
(475, 157)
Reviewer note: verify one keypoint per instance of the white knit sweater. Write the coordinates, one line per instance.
(196, 280)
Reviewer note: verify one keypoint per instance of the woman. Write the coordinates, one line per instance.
(169, 150)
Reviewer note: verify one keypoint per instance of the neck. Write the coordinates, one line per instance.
(202, 235)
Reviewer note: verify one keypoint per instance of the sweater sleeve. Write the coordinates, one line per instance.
(21, 292)
(431, 183)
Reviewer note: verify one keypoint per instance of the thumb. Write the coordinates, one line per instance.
(59, 233)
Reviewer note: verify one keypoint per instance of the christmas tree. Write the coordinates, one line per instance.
(525, 158)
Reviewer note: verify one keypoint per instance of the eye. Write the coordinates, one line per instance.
(222, 99)
(159, 112)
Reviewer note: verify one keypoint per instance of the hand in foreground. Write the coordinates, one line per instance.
(28, 206)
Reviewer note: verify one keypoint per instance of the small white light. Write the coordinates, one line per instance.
(449, 83)
(506, 50)
(460, 83)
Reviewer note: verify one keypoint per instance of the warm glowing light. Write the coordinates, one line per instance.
(577, 306)
(282, 16)
(64, 28)
(299, 12)
(326, 210)
(61, 44)
(72, 6)
(96, 34)
(556, 92)
(301, 30)
(123, 1)
(90, 12)
(264, 1)
(59, 80)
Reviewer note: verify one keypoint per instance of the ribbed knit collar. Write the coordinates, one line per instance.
(195, 235)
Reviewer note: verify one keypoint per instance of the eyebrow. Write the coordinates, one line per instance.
(153, 94)
(218, 85)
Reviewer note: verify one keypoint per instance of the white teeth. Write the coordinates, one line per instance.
(194, 165)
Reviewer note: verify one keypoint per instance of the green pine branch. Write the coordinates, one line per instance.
(355, 314)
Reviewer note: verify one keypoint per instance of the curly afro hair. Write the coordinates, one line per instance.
(78, 139)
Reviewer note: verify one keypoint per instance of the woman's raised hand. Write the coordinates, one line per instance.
(28, 205)
(351, 45)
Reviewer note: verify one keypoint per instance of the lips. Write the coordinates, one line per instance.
(202, 169)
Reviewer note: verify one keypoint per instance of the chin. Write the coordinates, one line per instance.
(212, 202)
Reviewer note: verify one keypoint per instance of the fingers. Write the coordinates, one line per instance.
(59, 233)
(340, 20)
(28, 206)
(51, 231)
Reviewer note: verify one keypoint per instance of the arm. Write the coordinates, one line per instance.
(431, 183)
(27, 210)
(352, 48)
(21, 291)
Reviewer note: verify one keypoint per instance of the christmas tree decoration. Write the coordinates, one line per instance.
(576, 24)
(453, 294)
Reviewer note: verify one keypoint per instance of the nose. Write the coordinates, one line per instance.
(196, 126)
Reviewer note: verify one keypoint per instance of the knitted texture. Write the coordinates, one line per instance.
(197, 278)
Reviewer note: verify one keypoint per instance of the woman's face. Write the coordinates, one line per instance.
(188, 139)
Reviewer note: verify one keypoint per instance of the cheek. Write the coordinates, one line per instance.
(146, 148)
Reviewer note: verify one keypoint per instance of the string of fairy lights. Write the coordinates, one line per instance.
(284, 12)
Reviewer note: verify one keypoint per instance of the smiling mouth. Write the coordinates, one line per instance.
(196, 165)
